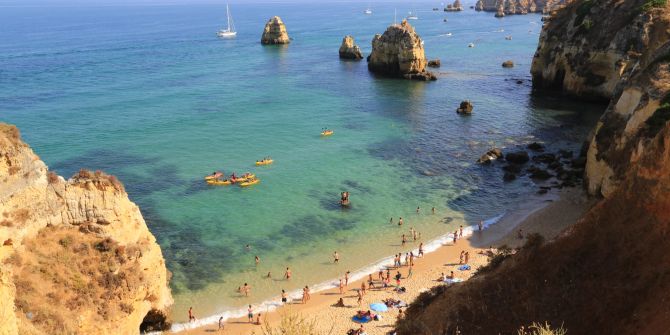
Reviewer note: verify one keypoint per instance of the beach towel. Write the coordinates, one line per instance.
(453, 280)
(360, 320)
(464, 267)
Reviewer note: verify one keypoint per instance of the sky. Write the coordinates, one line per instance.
(20, 3)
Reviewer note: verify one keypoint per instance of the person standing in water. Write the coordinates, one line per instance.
(221, 323)
(191, 317)
(246, 289)
(481, 225)
(455, 235)
(404, 240)
(391, 221)
(400, 222)
(421, 249)
(284, 296)
(341, 286)
(433, 210)
(417, 209)
(460, 232)
(287, 274)
(258, 260)
(336, 256)
(346, 278)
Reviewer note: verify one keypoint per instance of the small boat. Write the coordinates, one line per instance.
(249, 182)
(368, 11)
(264, 162)
(445, 20)
(412, 16)
(218, 182)
(508, 37)
(448, 34)
(327, 132)
(471, 45)
(230, 31)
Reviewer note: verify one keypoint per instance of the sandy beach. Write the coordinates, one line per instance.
(548, 215)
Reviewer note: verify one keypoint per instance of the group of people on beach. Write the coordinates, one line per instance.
(383, 276)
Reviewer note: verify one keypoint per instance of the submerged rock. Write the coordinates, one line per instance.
(508, 63)
(275, 32)
(536, 147)
(490, 156)
(349, 49)
(434, 63)
(399, 53)
(465, 107)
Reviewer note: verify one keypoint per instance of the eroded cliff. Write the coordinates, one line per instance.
(77, 256)
(613, 50)
(275, 32)
(511, 7)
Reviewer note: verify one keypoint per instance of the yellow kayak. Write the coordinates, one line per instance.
(250, 182)
(245, 177)
(213, 176)
(218, 182)
(327, 133)
(265, 162)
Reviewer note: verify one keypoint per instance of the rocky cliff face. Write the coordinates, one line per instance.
(275, 32)
(591, 50)
(511, 7)
(77, 256)
(349, 49)
(399, 52)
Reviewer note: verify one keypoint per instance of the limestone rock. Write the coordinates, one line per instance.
(511, 7)
(490, 156)
(434, 63)
(508, 64)
(455, 7)
(399, 52)
(34, 201)
(349, 49)
(465, 107)
(479, 6)
(275, 32)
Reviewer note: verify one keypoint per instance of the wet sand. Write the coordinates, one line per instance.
(548, 215)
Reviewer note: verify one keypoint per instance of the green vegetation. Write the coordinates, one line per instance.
(660, 117)
(540, 329)
(651, 4)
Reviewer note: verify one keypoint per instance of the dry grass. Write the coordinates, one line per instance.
(64, 272)
(294, 324)
(542, 329)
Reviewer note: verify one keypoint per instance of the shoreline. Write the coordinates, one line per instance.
(536, 215)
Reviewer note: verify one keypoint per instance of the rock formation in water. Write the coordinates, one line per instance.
(606, 274)
(591, 51)
(399, 52)
(455, 7)
(275, 32)
(81, 259)
(465, 107)
(434, 63)
(508, 63)
(511, 7)
(349, 49)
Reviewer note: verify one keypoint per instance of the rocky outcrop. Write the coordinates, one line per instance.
(512, 7)
(349, 49)
(434, 63)
(591, 51)
(455, 7)
(275, 32)
(91, 252)
(465, 107)
(399, 53)
(508, 63)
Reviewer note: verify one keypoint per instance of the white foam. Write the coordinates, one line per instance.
(272, 304)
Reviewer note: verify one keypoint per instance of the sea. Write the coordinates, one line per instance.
(147, 92)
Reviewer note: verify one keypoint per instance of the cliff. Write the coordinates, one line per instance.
(511, 7)
(349, 49)
(591, 50)
(608, 273)
(275, 32)
(399, 53)
(77, 256)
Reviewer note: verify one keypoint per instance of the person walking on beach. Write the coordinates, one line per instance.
(460, 261)
(336, 256)
(360, 298)
(304, 297)
(467, 257)
(258, 319)
(421, 249)
(250, 314)
(481, 225)
(397, 279)
(284, 297)
(455, 235)
(309, 295)
(363, 288)
(409, 272)
(346, 278)
(221, 323)
(388, 274)
(400, 221)
(406, 258)
(191, 317)
(411, 258)
(287, 274)
(460, 232)
(341, 286)
(380, 275)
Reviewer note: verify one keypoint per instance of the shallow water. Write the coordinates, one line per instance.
(149, 93)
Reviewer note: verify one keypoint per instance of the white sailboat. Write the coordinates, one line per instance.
(368, 11)
(230, 31)
(412, 16)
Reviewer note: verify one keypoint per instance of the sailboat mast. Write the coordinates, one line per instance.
(228, 16)
(395, 16)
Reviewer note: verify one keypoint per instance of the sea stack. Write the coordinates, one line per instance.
(275, 32)
(349, 49)
(479, 6)
(399, 53)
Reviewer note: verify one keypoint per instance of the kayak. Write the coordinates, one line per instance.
(265, 162)
(250, 182)
(327, 133)
(218, 182)
(214, 176)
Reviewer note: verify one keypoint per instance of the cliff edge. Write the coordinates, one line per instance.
(77, 256)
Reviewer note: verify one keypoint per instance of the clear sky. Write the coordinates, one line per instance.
(172, 2)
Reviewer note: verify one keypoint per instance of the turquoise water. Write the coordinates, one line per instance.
(148, 93)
